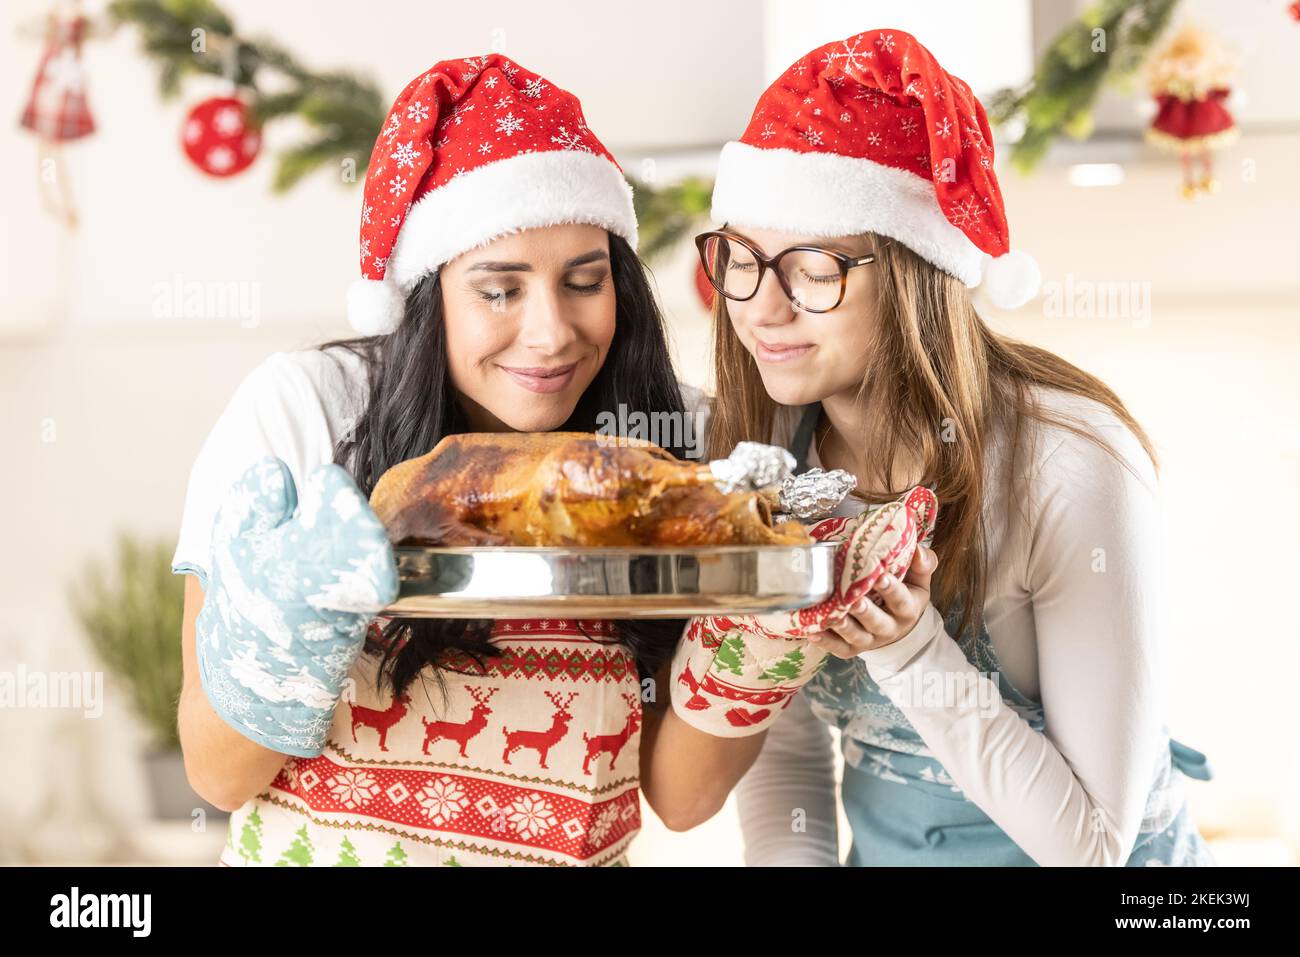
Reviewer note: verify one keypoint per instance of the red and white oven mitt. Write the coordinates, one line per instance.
(732, 675)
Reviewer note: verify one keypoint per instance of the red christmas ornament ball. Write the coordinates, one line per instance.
(220, 137)
(703, 288)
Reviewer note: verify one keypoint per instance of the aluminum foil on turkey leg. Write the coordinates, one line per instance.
(755, 467)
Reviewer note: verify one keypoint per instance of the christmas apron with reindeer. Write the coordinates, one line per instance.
(529, 759)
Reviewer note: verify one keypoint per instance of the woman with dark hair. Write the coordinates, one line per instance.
(502, 292)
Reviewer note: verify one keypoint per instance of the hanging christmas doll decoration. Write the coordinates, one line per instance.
(57, 109)
(1189, 79)
(220, 137)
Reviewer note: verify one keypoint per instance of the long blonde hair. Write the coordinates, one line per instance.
(945, 380)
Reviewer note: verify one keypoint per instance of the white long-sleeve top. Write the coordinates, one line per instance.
(1072, 611)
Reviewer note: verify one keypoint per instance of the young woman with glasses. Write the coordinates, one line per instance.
(1001, 704)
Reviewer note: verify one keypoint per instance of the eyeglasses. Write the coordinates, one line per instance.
(813, 278)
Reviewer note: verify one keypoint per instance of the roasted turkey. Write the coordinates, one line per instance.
(567, 488)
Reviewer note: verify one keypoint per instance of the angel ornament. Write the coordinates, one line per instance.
(57, 109)
(1189, 80)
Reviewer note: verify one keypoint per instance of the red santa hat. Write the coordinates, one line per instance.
(472, 150)
(870, 134)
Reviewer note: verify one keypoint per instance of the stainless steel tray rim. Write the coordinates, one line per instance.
(598, 551)
(516, 581)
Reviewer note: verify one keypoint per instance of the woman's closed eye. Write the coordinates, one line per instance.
(587, 284)
(819, 279)
(499, 295)
(496, 294)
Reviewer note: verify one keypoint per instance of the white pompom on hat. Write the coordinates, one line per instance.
(870, 134)
(475, 149)
(1011, 279)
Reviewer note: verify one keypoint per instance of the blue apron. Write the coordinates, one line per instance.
(904, 808)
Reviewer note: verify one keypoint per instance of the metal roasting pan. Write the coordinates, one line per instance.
(517, 582)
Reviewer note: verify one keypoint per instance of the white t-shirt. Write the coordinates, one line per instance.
(294, 405)
(1072, 611)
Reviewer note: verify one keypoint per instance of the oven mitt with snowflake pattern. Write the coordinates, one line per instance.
(730, 674)
(292, 587)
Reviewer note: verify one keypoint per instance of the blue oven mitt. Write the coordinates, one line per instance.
(288, 602)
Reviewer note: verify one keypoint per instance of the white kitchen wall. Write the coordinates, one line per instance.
(1001, 56)
(149, 217)
(1209, 367)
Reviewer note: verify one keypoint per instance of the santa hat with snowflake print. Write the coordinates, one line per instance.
(870, 134)
(472, 150)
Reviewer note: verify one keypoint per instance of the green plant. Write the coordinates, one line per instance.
(131, 609)
(666, 215)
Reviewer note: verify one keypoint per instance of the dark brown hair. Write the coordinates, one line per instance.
(411, 406)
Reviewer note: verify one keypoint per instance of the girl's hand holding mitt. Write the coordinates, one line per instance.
(730, 674)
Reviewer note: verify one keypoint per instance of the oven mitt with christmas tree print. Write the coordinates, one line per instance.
(731, 676)
(292, 587)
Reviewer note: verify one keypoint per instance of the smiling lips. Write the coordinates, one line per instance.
(542, 378)
(775, 352)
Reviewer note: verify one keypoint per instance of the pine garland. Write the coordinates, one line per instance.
(344, 111)
(666, 215)
(1058, 100)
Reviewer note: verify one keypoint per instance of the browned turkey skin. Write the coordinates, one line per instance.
(567, 489)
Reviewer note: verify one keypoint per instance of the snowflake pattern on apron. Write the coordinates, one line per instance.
(904, 807)
(876, 735)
